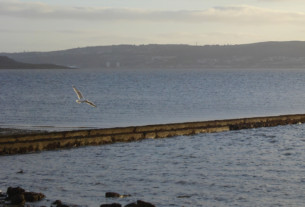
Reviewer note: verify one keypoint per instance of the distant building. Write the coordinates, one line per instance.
(108, 64)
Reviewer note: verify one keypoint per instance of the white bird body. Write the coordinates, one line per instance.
(81, 98)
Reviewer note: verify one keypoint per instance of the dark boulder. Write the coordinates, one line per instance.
(33, 197)
(111, 205)
(14, 191)
(18, 196)
(132, 205)
(144, 204)
(112, 195)
(58, 203)
(116, 195)
(140, 204)
(62, 205)
(17, 199)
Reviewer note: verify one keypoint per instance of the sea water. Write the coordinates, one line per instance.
(255, 167)
(35, 98)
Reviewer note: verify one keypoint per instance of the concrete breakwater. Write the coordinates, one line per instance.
(25, 143)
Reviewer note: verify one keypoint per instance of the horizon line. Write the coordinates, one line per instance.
(149, 44)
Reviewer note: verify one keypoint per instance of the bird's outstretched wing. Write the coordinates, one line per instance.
(90, 103)
(78, 93)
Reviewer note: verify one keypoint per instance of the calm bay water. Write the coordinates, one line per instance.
(135, 97)
(256, 167)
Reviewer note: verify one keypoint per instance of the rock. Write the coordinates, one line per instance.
(115, 195)
(17, 199)
(62, 205)
(144, 204)
(58, 203)
(111, 205)
(18, 196)
(14, 191)
(112, 195)
(33, 197)
(140, 204)
(132, 205)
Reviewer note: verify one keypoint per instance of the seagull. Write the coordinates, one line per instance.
(81, 99)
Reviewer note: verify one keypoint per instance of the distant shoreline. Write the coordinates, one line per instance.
(9, 64)
(289, 54)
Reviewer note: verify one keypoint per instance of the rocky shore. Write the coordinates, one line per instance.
(18, 197)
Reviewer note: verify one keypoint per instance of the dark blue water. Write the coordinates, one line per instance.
(256, 167)
(140, 97)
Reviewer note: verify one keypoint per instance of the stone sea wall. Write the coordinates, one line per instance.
(26, 143)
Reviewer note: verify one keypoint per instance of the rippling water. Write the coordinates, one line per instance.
(140, 97)
(256, 167)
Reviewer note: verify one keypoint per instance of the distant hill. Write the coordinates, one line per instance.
(257, 55)
(8, 63)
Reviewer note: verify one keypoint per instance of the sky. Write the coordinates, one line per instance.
(49, 25)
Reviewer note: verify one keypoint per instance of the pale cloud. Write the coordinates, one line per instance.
(213, 37)
(243, 14)
(32, 25)
(253, 15)
(278, 0)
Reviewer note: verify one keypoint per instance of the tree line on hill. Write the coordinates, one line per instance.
(257, 55)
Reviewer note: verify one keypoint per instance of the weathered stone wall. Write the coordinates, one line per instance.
(25, 143)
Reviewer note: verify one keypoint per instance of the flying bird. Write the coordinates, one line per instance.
(81, 99)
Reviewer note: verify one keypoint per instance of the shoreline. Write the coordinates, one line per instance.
(17, 196)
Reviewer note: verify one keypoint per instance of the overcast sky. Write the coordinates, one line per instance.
(46, 25)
